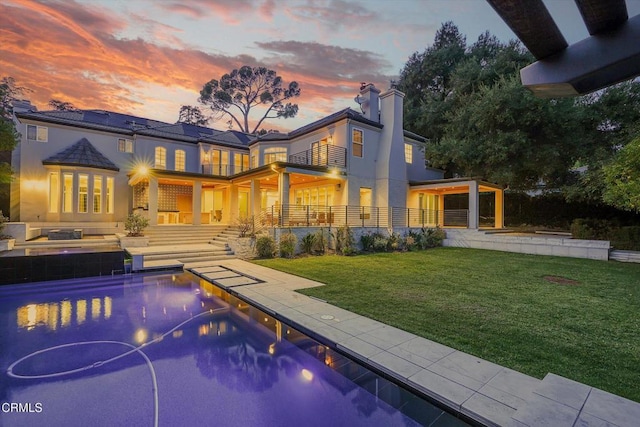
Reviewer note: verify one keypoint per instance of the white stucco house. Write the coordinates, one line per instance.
(360, 168)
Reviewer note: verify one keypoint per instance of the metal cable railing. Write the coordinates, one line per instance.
(359, 216)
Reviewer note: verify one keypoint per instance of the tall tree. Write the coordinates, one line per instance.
(236, 94)
(9, 136)
(622, 178)
(192, 115)
(426, 79)
(56, 104)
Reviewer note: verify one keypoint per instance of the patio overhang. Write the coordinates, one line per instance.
(610, 55)
(454, 185)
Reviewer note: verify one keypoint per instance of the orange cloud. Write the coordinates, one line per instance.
(71, 52)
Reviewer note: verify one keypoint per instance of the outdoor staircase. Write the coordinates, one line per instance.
(175, 246)
(162, 235)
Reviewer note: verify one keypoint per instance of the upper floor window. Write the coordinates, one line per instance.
(241, 162)
(180, 160)
(357, 142)
(125, 145)
(161, 158)
(37, 133)
(319, 152)
(275, 154)
(408, 153)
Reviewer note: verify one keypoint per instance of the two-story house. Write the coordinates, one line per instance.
(364, 169)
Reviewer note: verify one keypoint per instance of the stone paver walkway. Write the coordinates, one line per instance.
(481, 390)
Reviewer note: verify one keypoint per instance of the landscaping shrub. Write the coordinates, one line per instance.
(265, 247)
(429, 238)
(366, 241)
(3, 221)
(288, 243)
(589, 228)
(380, 243)
(308, 242)
(135, 224)
(345, 242)
(320, 242)
(410, 242)
(244, 224)
(395, 242)
(626, 238)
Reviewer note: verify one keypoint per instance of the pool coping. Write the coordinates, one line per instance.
(478, 389)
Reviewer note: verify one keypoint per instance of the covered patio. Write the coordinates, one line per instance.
(428, 196)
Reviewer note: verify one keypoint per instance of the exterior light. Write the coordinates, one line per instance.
(141, 336)
(142, 170)
(307, 375)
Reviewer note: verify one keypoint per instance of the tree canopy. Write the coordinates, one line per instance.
(622, 178)
(481, 121)
(238, 93)
(56, 104)
(9, 136)
(192, 115)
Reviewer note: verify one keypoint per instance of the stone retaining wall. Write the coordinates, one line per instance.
(565, 247)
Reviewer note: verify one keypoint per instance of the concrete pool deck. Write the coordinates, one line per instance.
(483, 391)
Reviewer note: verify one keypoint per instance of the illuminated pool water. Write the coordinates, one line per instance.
(174, 350)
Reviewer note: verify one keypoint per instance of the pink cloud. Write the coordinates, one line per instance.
(55, 50)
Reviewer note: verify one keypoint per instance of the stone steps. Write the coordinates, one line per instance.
(182, 234)
(624, 256)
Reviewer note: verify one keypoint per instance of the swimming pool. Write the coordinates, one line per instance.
(173, 350)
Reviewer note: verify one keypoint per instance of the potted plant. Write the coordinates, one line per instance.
(134, 225)
(6, 242)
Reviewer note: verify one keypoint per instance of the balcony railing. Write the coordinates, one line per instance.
(359, 216)
(325, 155)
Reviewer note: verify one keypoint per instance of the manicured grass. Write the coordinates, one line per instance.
(498, 306)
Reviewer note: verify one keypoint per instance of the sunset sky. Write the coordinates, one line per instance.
(149, 57)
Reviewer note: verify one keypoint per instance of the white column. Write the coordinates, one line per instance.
(440, 210)
(232, 215)
(254, 198)
(474, 206)
(283, 190)
(153, 200)
(196, 203)
(499, 214)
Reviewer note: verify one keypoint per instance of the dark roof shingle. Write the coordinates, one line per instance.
(82, 153)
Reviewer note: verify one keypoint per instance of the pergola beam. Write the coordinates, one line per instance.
(591, 64)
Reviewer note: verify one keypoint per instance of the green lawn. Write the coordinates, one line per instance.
(498, 306)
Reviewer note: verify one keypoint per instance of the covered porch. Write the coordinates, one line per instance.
(428, 197)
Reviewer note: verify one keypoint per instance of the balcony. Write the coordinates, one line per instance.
(326, 155)
(222, 170)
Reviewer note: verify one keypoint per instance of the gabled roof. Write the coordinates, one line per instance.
(129, 125)
(347, 113)
(82, 153)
